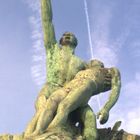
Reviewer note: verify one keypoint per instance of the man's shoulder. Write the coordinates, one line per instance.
(76, 58)
(53, 48)
(78, 61)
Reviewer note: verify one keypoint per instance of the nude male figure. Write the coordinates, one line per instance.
(62, 64)
(76, 94)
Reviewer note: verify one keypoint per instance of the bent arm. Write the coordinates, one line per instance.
(48, 28)
(116, 86)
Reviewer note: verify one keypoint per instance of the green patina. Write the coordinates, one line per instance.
(63, 101)
(62, 65)
(66, 92)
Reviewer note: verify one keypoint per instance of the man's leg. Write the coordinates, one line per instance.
(32, 124)
(49, 110)
(75, 99)
(88, 120)
(39, 105)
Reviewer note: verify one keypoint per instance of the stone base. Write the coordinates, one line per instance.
(72, 134)
(104, 134)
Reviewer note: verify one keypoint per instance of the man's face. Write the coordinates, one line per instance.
(68, 39)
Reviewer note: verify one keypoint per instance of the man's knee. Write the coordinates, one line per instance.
(40, 102)
(88, 119)
(87, 114)
(90, 136)
(44, 91)
(63, 107)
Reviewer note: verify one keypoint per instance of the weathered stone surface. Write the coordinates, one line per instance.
(108, 134)
(11, 137)
(104, 134)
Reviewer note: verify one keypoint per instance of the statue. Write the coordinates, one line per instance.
(76, 94)
(62, 110)
(78, 91)
(70, 82)
(62, 64)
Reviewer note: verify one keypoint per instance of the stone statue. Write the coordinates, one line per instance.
(70, 84)
(76, 94)
(62, 110)
(78, 91)
(62, 64)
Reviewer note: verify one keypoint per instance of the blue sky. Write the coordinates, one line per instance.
(115, 36)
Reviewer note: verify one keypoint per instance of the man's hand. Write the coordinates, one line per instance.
(103, 116)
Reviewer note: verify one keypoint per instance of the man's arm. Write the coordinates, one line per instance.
(115, 87)
(48, 28)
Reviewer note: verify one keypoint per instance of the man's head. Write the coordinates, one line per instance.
(96, 63)
(68, 39)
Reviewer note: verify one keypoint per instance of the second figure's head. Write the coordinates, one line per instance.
(96, 63)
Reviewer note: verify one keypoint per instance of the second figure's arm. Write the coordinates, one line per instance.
(115, 91)
(116, 86)
(48, 28)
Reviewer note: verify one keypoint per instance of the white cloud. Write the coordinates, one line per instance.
(105, 48)
(38, 69)
(34, 4)
(134, 48)
(132, 95)
(132, 88)
(132, 123)
(100, 37)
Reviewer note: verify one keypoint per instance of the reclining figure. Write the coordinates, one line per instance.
(76, 94)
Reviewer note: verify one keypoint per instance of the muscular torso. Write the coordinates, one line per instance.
(97, 75)
(62, 66)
